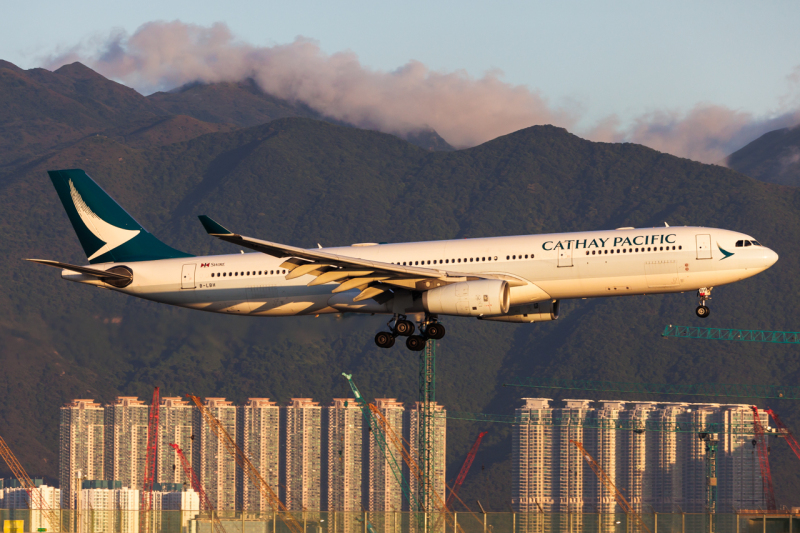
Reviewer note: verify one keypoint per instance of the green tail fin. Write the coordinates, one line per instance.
(107, 232)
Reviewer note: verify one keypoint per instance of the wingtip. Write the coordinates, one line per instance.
(213, 227)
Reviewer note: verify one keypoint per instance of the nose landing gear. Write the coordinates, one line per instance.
(703, 294)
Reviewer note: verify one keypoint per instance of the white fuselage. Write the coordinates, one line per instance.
(554, 266)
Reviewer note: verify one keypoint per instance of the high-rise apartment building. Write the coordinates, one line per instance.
(303, 455)
(213, 464)
(345, 442)
(81, 447)
(603, 445)
(126, 421)
(568, 463)
(345, 428)
(638, 458)
(175, 425)
(439, 435)
(259, 439)
(663, 469)
(531, 466)
(385, 493)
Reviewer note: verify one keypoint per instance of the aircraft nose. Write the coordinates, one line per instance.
(770, 258)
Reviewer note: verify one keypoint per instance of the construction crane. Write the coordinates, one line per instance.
(198, 488)
(35, 499)
(763, 461)
(247, 467)
(609, 485)
(783, 431)
(380, 439)
(741, 335)
(150, 464)
(465, 469)
(783, 392)
(383, 433)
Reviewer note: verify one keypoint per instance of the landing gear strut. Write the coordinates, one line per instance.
(429, 329)
(703, 294)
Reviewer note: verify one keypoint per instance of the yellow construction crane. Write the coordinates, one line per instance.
(35, 499)
(247, 467)
(606, 481)
(439, 505)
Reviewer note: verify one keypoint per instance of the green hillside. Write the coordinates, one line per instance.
(303, 182)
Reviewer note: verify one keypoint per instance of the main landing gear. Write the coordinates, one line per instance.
(401, 327)
(703, 294)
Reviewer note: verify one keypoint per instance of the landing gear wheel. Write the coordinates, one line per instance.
(384, 339)
(434, 331)
(415, 343)
(702, 311)
(404, 328)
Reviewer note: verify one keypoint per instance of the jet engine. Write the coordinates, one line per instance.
(469, 298)
(537, 312)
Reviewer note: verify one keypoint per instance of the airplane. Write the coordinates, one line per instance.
(519, 279)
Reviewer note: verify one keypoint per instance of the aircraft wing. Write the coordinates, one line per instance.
(372, 278)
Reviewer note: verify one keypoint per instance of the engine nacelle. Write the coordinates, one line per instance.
(537, 312)
(469, 298)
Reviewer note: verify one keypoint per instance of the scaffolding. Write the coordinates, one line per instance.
(427, 432)
(724, 334)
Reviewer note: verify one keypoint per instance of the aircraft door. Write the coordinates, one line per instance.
(565, 257)
(187, 277)
(703, 246)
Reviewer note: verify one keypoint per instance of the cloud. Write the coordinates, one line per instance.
(465, 110)
(707, 133)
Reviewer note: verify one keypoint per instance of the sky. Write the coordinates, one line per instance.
(697, 79)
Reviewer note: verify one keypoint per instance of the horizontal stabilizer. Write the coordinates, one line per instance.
(212, 227)
(102, 274)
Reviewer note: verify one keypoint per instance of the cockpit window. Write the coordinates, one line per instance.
(756, 243)
(748, 243)
(739, 244)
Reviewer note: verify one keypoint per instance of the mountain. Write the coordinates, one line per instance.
(304, 181)
(245, 104)
(46, 110)
(773, 157)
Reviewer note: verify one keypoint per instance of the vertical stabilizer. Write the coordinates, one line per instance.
(107, 232)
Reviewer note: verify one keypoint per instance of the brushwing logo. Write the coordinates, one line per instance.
(112, 236)
(726, 253)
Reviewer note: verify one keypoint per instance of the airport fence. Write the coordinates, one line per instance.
(100, 521)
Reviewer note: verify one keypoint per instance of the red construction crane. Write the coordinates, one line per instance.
(763, 460)
(198, 488)
(784, 432)
(464, 469)
(150, 464)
